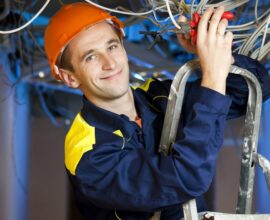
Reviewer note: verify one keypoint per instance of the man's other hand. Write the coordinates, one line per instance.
(185, 39)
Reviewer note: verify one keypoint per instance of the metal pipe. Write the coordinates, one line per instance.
(14, 136)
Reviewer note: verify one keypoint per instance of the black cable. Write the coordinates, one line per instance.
(6, 10)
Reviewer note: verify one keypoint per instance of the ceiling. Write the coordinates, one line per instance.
(136, 49)
(22, 47)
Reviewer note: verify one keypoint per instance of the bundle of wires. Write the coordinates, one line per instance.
(251, 38)
(247, 35)
(250, 26)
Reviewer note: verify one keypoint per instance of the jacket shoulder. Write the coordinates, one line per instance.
(80, 138)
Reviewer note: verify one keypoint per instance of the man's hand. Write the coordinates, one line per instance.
(185, 39)
(214, 48)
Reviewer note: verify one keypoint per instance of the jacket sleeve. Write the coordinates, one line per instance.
(136, 180)
(237, 87)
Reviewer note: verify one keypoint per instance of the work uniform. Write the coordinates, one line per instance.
(114, 164)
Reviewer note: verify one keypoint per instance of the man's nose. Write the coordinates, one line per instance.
(108, 62)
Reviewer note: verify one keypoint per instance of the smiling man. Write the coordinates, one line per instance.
(98, 50)
(111, 149)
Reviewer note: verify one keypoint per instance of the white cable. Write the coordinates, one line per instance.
(265, 51)
(201, 5)
(249, 42)
(250, 23)
(171, 15)
(264, 35)
(241, 36)
(234, 4)
(124, 12)
(155, 14)
(192, 8)
(29, 22)
(228, 4)
(256, 11)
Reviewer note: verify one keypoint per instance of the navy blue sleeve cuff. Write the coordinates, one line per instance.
(257, 69)
(214, 100)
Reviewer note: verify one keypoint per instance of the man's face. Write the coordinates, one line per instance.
(100, 63)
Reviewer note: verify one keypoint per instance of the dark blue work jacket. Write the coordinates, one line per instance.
(115, 167)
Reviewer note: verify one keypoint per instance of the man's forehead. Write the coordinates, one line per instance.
(96, 34)
(92, 39)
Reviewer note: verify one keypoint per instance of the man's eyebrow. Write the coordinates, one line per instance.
(87, 52)
(113, 41)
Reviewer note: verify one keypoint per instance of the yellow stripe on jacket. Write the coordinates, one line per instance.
(80, 139)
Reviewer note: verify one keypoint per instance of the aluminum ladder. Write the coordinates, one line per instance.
(249, 155)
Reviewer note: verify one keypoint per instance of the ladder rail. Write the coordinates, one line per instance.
(251, 130)
(251, 133)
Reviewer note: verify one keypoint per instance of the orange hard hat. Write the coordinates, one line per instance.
(67, 23)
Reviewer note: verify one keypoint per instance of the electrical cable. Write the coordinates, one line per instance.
(264, 35)
(243, 32)
(192, 8)
(249, 23)
(256, 11)
(183, 7)
(264, 51)
(171, 15)
(32, 4)
(247, 46)
(201, 5)
(122, 12)
(45, 108)
(232, 4)
(29, 22)
(156, 17)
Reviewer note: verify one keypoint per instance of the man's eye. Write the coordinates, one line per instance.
(91, 57)
(112, 47)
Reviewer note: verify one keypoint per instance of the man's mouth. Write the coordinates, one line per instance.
(111, 76)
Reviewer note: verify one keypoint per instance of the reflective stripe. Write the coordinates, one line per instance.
(146, 85)
(160, 96)
(117, 215)
(119, 133)
(80, 139)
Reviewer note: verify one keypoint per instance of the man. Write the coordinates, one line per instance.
(111, 149)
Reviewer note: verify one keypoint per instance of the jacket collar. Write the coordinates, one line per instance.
(109, 121)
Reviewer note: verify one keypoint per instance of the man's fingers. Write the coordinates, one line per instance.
(222, 27)
(182, 18)
(229, 37)
(183, 36)
(215, 21)
(187, 36)
(203, 24)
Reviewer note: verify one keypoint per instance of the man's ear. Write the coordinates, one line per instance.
(68, 78)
